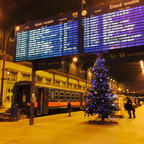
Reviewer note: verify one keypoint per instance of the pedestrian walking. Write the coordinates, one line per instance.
(130, 108)
(69, 108)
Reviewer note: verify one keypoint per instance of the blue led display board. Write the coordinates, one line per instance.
(120, 29)
(38, 41)
(101, 28)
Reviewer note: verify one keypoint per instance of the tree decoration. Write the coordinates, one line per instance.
(100, 98)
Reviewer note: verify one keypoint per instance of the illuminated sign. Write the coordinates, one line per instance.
(46, 39)
(120, 29)
(105, 27)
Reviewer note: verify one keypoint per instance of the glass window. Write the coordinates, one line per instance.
(12, 76)
(62, 93)
(61, 97)
(67, 95)
(72, 96)
(56, 97)
(49, 94)
(56, 93)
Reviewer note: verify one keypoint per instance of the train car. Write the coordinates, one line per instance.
(15, 72)
(49, 99)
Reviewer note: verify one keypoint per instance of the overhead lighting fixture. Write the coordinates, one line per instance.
(75, 59)
(142, 65)
(119, 89)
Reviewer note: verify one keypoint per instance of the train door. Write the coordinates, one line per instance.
(42, 101)
(22, 98)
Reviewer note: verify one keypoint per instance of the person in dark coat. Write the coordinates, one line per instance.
(129, 107)
(14, 112)
(69, 108)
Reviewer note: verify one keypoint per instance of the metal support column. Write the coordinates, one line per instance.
(67, 70)
(32, 96)
(3, 55)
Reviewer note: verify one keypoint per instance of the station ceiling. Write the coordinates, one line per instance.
(14, 12)
(20, 11)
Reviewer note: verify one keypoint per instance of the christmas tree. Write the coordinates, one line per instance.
(100, 98)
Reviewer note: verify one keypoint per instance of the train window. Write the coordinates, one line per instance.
(56, 93)
(72, 94)
(77, 94)
(83, 97)
(61, 97)
(67, 95)
(62, 93)
(49, 92)
(56, 97)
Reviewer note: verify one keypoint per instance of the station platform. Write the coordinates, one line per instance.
(77, 129)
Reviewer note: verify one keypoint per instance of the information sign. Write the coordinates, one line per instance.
(114, 30)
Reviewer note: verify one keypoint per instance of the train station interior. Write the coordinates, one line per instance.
(48, 53)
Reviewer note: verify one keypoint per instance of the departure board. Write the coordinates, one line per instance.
(49, 41)
(114, 30)
(101, 28)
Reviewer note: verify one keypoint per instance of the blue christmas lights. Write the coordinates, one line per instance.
(99, 96)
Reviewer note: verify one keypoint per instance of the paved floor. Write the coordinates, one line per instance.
(78, 129)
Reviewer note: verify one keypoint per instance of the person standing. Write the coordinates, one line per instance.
(129, 107)
(69, 108)
(15, 115)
